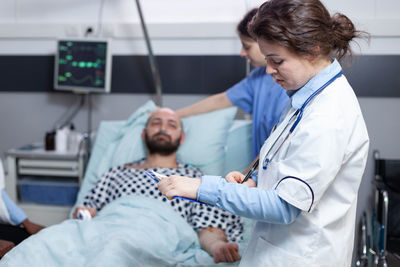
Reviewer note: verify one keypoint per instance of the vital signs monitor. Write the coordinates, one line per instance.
(83, 66)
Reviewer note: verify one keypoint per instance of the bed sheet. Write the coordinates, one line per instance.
(131, 231)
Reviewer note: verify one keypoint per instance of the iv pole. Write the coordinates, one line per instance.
(153, 63)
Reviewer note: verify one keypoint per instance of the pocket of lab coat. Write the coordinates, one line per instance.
(267, 254)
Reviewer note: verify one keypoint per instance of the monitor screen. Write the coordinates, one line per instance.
(83, 66)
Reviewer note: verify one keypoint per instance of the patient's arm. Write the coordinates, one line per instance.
(91, 210)
(213, 240)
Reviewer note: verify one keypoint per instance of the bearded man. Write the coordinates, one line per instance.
(218, 230)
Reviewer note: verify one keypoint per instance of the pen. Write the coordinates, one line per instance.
(248, 175)
(151, 176)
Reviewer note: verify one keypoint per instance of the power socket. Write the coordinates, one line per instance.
(89, 31)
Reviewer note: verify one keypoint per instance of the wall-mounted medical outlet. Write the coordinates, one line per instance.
(89, 31)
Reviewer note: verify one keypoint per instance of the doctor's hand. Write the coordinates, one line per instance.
(181, 186)
(234, 177)
(238, 177)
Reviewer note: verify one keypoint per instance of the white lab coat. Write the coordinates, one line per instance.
(318, 170)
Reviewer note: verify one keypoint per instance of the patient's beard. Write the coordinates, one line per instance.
(162, 147)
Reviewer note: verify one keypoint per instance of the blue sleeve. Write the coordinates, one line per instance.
(254, 203)
(17, 215)
(242, 93)
(254, 176)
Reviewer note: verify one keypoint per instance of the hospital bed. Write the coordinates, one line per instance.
(135, 231)
(380, 228)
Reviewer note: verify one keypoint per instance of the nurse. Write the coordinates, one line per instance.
(257, 94)
(311, 166)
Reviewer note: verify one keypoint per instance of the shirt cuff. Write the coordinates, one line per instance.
(207, 190)
(254, 176)
(17, 215)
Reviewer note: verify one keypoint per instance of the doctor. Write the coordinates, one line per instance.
(311, 166)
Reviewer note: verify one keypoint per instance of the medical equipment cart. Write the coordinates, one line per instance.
(44, 183)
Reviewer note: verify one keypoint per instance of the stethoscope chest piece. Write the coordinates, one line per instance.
(265, 165)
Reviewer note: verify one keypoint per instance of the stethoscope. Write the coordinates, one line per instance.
(296, 117)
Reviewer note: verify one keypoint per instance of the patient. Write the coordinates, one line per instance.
(217, 230)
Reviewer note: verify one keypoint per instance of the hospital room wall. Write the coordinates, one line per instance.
(177, 28)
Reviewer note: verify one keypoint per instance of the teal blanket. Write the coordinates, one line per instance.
(131, 231)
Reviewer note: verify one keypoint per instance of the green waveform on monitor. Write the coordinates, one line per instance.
(89, 78)
(83, 80)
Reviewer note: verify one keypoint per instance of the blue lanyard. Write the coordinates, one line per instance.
(298, 116)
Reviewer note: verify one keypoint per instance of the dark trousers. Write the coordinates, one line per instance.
(12, 233)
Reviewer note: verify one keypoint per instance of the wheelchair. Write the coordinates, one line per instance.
(380, 228)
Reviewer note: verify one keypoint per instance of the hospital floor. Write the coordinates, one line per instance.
(392, 260)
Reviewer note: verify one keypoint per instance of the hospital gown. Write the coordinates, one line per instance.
(123, 180)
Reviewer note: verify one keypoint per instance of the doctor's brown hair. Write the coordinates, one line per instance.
(303, 26)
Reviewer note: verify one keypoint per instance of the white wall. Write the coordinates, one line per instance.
(76, 12)
(176, 26)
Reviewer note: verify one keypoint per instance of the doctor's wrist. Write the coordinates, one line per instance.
(250, 183)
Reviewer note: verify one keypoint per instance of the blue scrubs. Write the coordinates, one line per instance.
(260, 96)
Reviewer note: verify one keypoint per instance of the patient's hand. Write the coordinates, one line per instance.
(213, 240)
(92, 211)
(226, 252)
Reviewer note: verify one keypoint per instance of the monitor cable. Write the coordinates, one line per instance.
(97, 31)
(70, 114)
(100, 18)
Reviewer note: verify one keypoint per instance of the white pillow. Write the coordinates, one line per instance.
(205, 142)
(238, 155)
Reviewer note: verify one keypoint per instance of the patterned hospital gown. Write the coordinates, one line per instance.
(120, 181)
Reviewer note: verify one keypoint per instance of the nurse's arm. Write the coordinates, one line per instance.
(211, 103)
